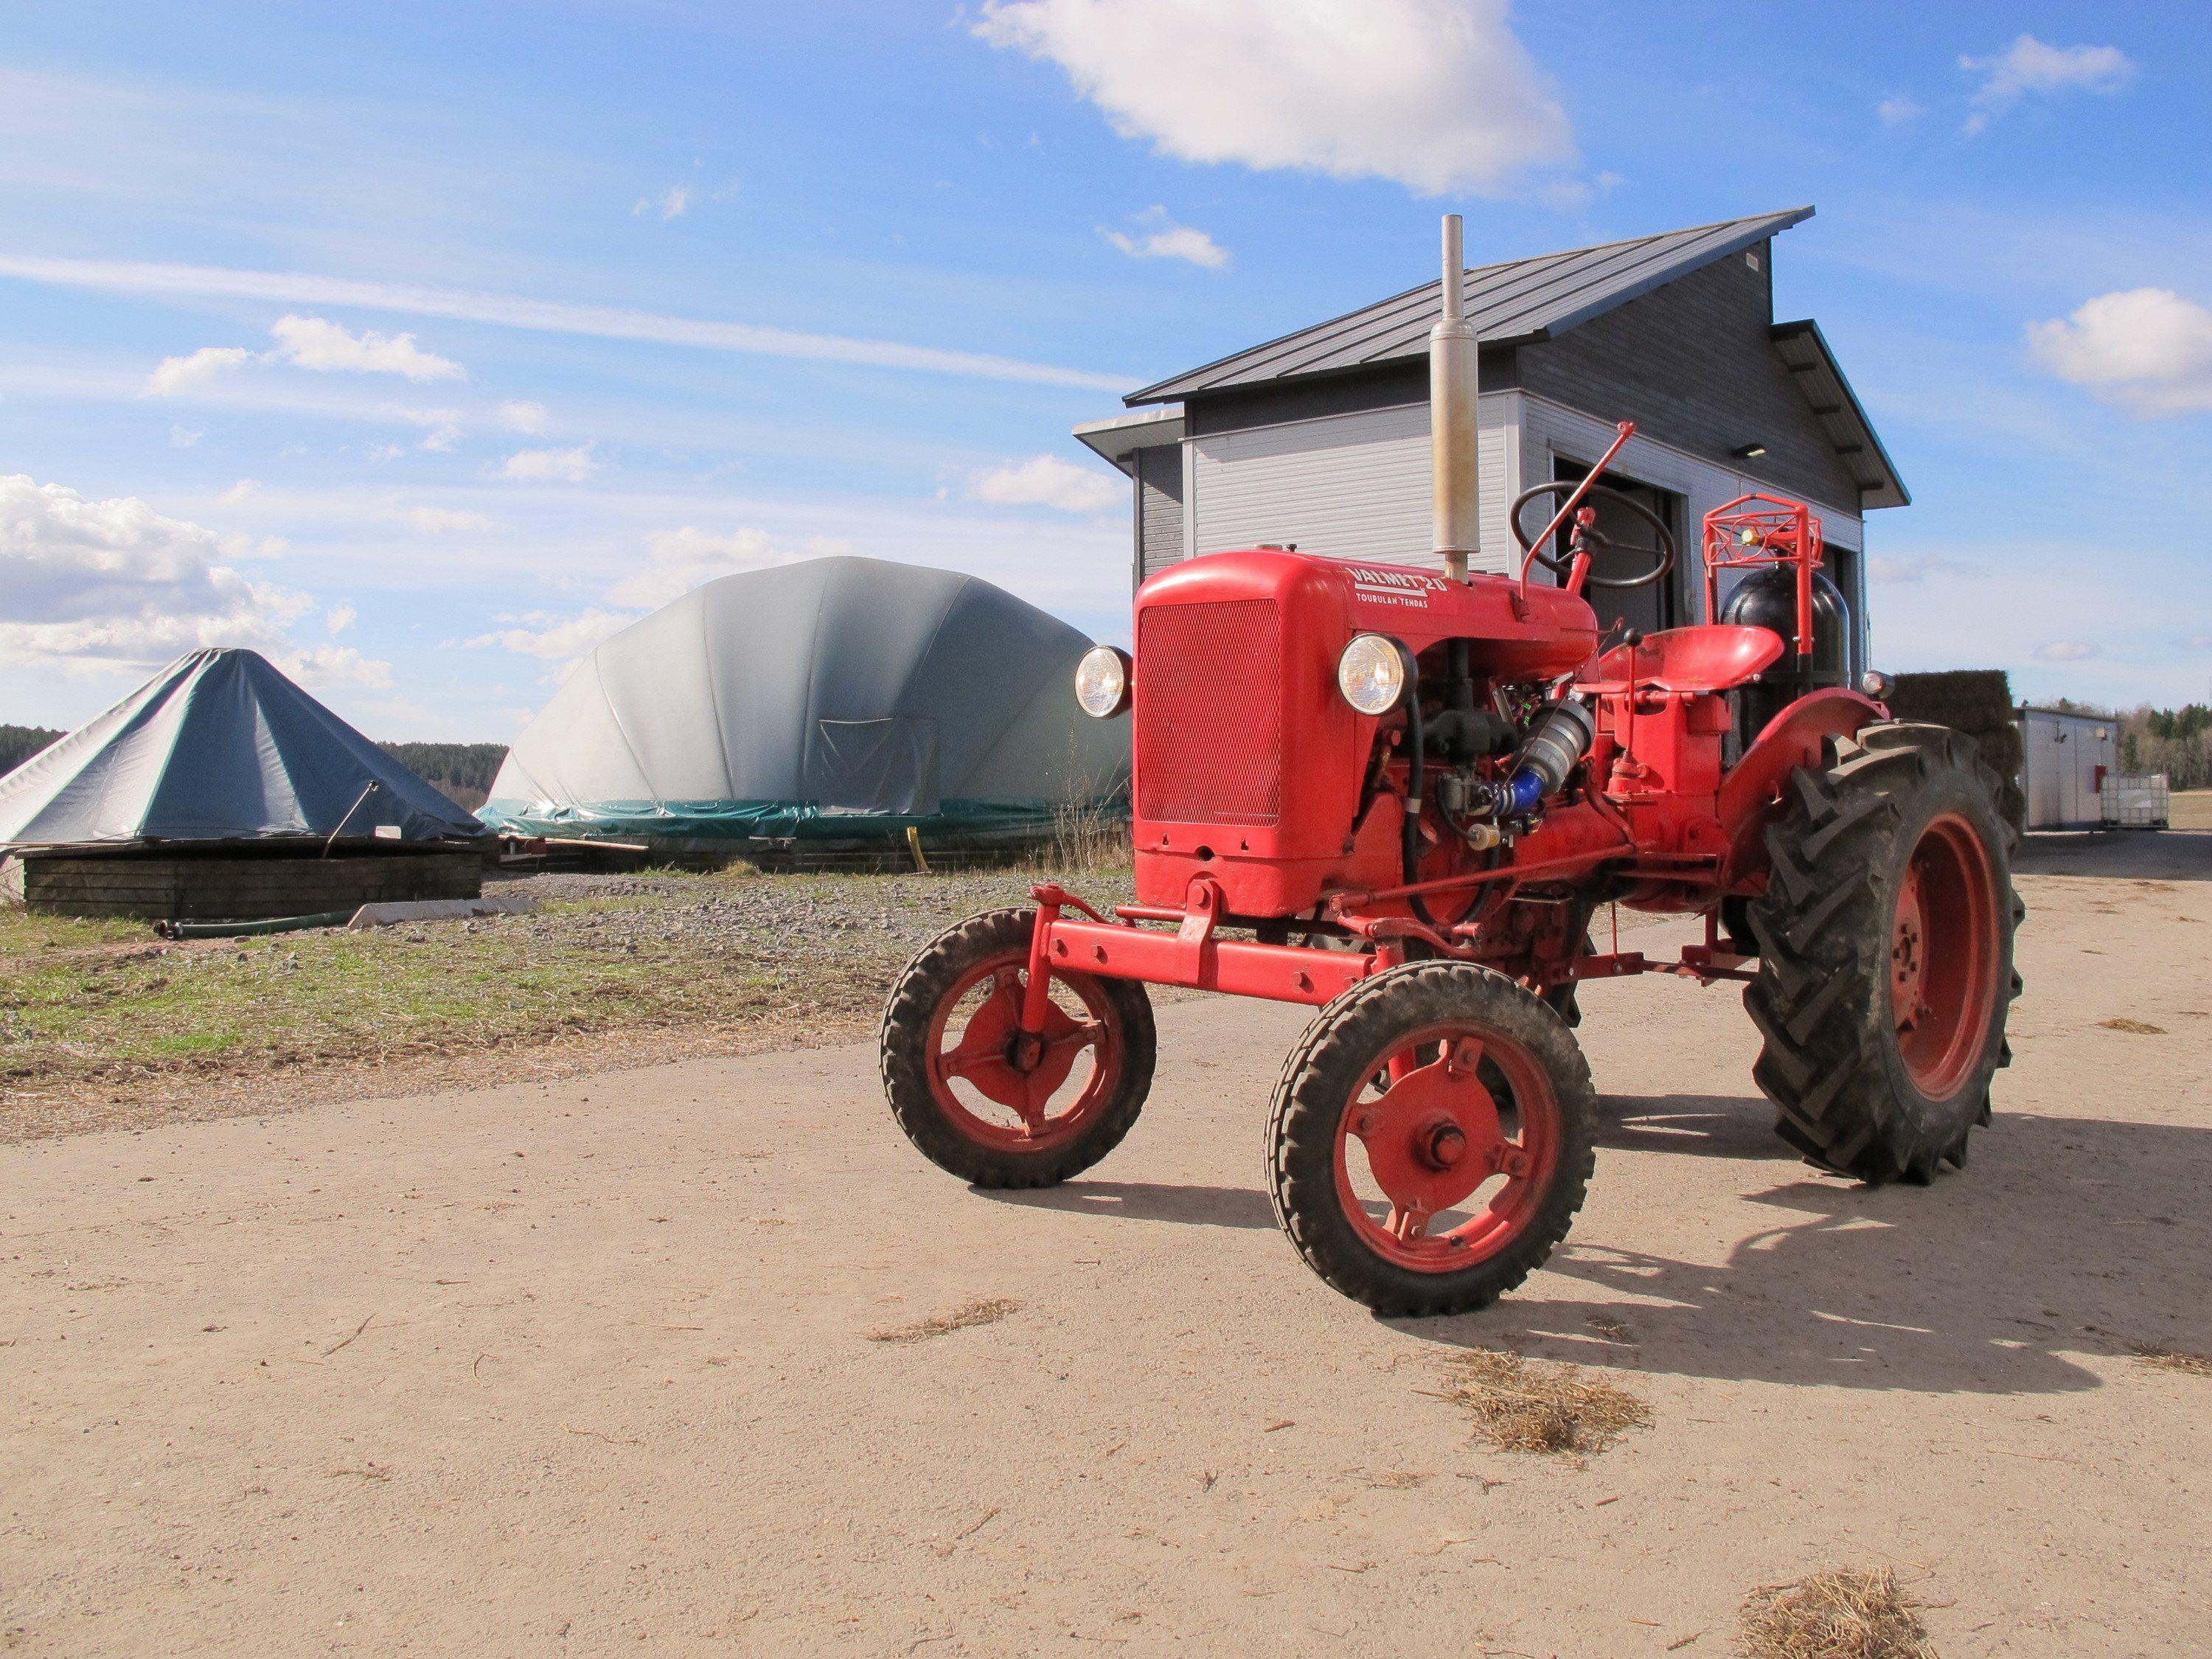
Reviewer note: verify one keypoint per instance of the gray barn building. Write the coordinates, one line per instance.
(1321, 438)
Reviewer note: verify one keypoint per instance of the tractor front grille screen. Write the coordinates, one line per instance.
(1209, 713)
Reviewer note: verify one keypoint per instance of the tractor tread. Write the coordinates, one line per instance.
(1315, 1087)
(1828, 1059)
(902, 1040)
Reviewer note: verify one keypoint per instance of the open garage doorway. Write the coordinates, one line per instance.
(1664, 602)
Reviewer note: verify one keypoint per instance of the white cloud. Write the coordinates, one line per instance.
(2146, 348)
(2064, 651)
(670, 202)
(183, 438)
(317, 343)
(556, 638)
(686, 558)
(545, 316)
(175, 375)
(1896, 112)
(1045, 481)
(442, 428)
(523, 417)
(1438, 95)
(2028, 68)
(113, 584)
(1158, 237)
(444, 521)
(339, 617)
(552, 465)
(241, 490)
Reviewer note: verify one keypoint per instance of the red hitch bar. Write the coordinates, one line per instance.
(1191, 956)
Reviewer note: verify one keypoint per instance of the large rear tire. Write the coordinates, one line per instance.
(1885, 953)
(1432, 1137)
(975, 1100)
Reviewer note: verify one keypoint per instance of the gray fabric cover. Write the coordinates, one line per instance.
(817, 698)
(217, 746)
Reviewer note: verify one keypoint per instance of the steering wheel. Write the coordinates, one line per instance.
(1587, 540)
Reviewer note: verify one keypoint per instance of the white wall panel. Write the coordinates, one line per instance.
(1345, 486)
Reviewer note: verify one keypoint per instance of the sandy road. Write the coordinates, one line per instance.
(573, 1366)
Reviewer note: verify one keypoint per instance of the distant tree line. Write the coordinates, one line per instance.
(462, 772)
(2175, 741)
(19, 743)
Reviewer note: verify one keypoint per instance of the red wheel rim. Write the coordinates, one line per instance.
(1444, 1156)
(1943, 956)
(976, 1059)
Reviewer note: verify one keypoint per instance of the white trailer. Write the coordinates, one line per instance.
(2068, 758)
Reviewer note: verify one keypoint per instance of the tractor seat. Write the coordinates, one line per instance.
(1712, 658)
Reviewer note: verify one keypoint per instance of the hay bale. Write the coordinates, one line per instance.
(2002, 750)
(1970, 700)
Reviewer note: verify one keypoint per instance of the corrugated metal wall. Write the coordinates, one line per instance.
(2065, 755)
(1344, 486)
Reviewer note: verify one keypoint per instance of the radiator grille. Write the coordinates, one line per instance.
(1209, 713)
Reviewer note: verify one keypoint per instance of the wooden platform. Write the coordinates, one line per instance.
(231, 884)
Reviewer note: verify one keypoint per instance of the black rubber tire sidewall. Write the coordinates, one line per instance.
(914, 996)
(1831, 1060)
(1324, 1072)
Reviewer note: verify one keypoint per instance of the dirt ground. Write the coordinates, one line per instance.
(308, 1384)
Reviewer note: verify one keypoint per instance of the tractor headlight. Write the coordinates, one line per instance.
(1374, 672)
(1102, 682)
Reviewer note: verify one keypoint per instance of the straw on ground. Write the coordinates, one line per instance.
(1535, 1406)
(988, 1312)
(1839, 1612)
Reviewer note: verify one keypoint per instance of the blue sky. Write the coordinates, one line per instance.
(421, 345)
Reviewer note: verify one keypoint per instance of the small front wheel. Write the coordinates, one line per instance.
(981, 1103)
(1433, 1135)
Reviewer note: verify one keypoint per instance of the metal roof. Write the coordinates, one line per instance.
(1519, 302)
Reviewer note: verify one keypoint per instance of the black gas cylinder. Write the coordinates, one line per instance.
(1768, 598)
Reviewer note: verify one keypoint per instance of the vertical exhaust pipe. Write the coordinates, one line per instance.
(1454, 351)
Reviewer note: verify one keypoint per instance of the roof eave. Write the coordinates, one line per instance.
(1889, 489)
(1116, 438)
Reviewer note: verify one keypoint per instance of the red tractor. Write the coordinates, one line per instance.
(1400, 796)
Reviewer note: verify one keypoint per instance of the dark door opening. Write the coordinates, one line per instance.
(1660, 605)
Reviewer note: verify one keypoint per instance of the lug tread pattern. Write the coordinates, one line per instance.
(1828, 1059)
(903, 1037)
(1315, 1088)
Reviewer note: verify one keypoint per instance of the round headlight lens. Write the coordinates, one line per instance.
(1102, 682)
(1372, 673)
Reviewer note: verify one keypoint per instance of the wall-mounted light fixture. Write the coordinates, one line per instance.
(1750, 451)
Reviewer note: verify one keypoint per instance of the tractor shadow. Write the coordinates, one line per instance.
(1146, 1201)
(2065, 1237)
(1700, 1126)
(2124, 854)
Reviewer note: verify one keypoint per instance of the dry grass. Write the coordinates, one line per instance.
(100, 1022)
(988, 1312)
(1085, 840)
(2161, 1358)
(1839, 1612)
(2133, 1027)
(1535, 1406)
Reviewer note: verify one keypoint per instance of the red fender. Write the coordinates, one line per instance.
(1752, 791)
